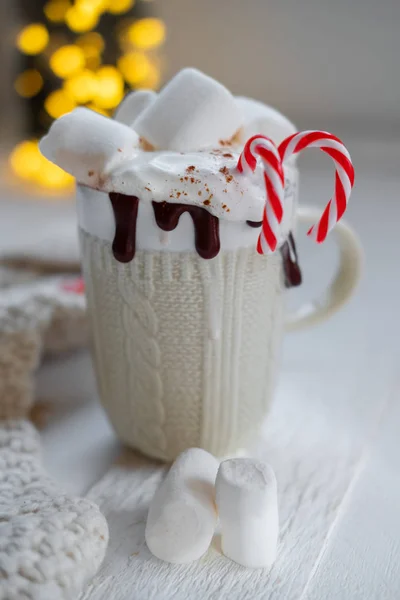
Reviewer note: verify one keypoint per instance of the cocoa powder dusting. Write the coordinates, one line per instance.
(90, 173)
(228, 176)
(234, 139)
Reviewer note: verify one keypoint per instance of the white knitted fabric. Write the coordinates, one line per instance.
(164, 383)
(35, 318)
(50, 544)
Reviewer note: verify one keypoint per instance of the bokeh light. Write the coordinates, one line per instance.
(58, 103)
(55, 10)
(110, 87)
(82, 18)
(91, 42)
(135, 67)
(82, 87)
(29, 83)
(33, 39)
(119, 7)
(26, 159)
(67, 60)
(147, 33)
(151, 81)
(101, 111)
(28, 163)
(51, 176)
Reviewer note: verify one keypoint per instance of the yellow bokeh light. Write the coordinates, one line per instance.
(67, 60)
(82, 18)
(25, 159)
(98, 6)
(33, 39)
(29, 83)
(99, 110)
(58, 103)
(55, 10)
(93, 62)
(134, 66)
(110, 87)
(91, 43)
(52, 177)
(147, 33)
(151, 81)
(28, 163)
(82, 87)
(118, 7)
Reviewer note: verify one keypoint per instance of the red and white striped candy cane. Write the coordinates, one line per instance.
(262, 146)
(344, 177)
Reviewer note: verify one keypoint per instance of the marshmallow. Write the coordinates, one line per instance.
(193, 111)
(86, 144)
(133, 105)
(246, 494)
(261, 118)
(182, 516)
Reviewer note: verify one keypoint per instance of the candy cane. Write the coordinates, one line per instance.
(262, 146)
(344, 177)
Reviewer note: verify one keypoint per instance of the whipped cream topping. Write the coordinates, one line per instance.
(208, 179)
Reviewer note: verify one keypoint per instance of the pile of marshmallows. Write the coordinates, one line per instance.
(184, 511)
(191, 113)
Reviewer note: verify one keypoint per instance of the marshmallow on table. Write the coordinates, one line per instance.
(193, 111)
(182, 516)
(246, 494)
(261, 118)
(133, 105)
(86, 144)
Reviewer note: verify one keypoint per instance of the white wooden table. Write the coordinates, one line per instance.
(332, 437)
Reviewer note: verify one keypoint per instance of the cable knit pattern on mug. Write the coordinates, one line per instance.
(126, 322)
(139, 324)
(50, 544)
(193, 365)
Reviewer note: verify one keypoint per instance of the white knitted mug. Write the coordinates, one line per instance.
(186, 349)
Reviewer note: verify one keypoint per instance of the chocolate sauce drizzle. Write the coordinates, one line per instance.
(125, 213)
(206, 225)
(291, 267)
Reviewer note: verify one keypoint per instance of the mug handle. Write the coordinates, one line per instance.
(344, 282)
